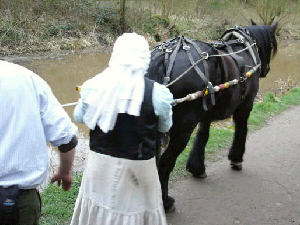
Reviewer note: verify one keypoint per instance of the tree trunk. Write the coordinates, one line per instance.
(166, 8)
(122, 16)
(198, 8)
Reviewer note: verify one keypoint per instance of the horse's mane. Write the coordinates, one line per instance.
(266, 42)
(265, 38)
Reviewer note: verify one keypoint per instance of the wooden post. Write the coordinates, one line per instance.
(165, 9)
(122, 16)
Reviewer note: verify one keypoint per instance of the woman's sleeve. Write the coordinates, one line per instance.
(162, 99)
(79, 111)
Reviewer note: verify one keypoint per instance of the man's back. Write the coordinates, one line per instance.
(29, 117)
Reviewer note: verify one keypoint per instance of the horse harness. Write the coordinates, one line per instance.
(170, 50)
(232, 36)
(239, 35)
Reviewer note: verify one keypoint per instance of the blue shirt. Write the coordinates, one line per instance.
(30, 116)
(161, 100)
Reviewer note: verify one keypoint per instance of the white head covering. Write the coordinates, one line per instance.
(120, 87)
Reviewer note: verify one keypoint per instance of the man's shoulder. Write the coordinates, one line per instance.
(14, 70)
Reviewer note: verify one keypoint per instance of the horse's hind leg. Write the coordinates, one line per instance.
(195, 163)
(179, 137)
(237, 150)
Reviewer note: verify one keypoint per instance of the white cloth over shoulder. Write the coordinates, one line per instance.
(161, 100)
(120, 87)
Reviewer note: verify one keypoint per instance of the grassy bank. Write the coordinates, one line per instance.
(58, 205)
(33, 26)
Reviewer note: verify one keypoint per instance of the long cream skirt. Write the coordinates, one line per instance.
(117, 191)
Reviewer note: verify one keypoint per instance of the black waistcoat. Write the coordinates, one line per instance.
(132, 137)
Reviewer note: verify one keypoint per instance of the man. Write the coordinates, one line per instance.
(30, 116)
(124, 111)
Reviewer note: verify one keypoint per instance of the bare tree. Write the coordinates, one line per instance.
(122, 15)
(166, 8)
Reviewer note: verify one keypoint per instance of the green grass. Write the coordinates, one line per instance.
(270, 106)
(58, 205)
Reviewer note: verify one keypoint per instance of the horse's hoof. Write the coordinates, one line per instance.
(196, 174)
(170, 210)
(236, 166)
(169, 205)
(201, 176)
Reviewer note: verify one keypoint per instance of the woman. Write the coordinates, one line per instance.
(124, 111)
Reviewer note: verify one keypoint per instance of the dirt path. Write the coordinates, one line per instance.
(265, 192)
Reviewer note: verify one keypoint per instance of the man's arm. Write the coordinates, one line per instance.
(58, 130)
(64, 174)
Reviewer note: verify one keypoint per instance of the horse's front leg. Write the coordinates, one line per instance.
(195, 163)
(179, 137)
(237, 150)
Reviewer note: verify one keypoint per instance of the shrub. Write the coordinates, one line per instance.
(271, 10)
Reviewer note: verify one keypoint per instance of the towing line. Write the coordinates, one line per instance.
(198, 94)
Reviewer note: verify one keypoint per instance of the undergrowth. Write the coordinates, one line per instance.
(28, 26)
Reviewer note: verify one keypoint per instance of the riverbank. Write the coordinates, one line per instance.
(58, 205)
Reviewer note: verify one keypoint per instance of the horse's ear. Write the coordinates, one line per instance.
(274, 27)
(252, 22)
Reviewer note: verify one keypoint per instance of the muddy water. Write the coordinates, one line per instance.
(285, 68)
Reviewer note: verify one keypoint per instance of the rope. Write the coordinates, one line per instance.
(185, 72)
(69, 104)
(217, 88)
(227, 54)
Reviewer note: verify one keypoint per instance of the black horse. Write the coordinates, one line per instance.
(236, 100)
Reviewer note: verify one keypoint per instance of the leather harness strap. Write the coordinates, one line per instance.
(205, 65)
(170, 65)
(192, 61)
(203, 76)
(241, 65)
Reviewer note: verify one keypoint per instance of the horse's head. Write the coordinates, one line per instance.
(266, 43)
